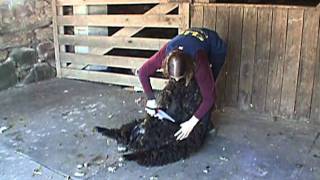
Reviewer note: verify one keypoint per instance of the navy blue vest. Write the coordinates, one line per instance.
(195, 39)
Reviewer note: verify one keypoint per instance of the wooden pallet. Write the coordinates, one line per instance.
(72, 64)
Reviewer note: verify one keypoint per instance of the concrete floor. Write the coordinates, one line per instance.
(50, 136)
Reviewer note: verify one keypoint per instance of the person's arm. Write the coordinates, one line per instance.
(205, 82)
(149, 68)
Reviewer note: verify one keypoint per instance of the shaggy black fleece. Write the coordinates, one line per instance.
(151, 141)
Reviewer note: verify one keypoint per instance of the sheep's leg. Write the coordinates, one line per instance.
(112, 133)
(122, 135)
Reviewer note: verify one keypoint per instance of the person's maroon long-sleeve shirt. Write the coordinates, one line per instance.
(203, 76)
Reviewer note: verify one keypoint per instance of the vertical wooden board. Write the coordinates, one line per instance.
(276, 61)
(222, 24)
(234, 55)
(197, 16)
(247, 56)
(315, 106)
(260, 77)
(307, 63)
(209, 17)
(184, 11)
(55, 36)
(291, 66)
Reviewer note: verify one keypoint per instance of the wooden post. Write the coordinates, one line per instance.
(55, 36)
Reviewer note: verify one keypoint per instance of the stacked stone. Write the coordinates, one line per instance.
(26, 42)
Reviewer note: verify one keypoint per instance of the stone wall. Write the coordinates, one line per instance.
(25, 32)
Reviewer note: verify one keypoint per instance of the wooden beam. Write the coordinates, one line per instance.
(159, 9)
(113, 61)
(260, 79)
(307, 63)
(274, 6)
(102, 2)
(201, 1)
(291, 67)
(168, 21)
(111, 78)
(113, 42)
(276, 61)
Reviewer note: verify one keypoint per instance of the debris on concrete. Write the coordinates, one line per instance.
(65, 113)
(82, 126)
(121, 164)
(112, 169)
(138, 100)
(261, 172)
(65, 91)
(206, 170)
(122, 149)
(98, 160)
(80, 166)
(79, 174)
(299, 165)
(223, 158)
(121, 159)
(37, 171)
(69, 120)
(156, 177)
(4, 129)
(110, 116)
(28, 131)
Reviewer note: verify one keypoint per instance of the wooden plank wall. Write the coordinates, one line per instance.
(72, 64)
(273, 62)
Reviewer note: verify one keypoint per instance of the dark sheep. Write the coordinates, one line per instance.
(151, 140)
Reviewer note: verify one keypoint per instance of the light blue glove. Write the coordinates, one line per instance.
(151, 107)
(186, 128)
